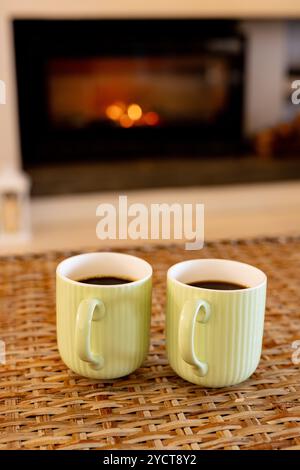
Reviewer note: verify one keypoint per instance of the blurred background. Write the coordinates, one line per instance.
(102, 96)
(157, 105)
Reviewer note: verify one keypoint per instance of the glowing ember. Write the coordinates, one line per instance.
(131, 115)
(114, 112)
(151, 118)
(125, 121)
(134, 111)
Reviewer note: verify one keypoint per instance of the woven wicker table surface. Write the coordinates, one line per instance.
(43, 405)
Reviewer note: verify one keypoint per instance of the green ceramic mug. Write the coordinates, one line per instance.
(103, 330)
(214, 337)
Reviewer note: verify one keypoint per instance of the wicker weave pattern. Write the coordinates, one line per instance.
(43, 405)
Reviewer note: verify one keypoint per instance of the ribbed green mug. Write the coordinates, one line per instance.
(103, 330)
(214, 337)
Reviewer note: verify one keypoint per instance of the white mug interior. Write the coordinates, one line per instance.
(223, 270)
(104, 264)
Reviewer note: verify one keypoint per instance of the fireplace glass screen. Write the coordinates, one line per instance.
(96, 90)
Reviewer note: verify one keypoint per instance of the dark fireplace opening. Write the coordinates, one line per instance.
(110, 90)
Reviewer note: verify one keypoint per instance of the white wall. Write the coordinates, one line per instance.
(9, 133)
(266, 62)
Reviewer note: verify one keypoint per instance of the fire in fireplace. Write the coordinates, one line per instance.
(178, 91)
(113, 89)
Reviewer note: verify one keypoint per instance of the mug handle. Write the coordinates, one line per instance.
(89, 310)
(193, 311)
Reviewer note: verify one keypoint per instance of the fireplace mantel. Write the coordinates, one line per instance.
(168, 8)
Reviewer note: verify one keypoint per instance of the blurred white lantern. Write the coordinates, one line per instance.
(14, 206)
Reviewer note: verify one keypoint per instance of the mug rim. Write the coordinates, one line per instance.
(172, 278)
(104, 286)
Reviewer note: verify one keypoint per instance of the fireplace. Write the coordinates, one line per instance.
(111, 90)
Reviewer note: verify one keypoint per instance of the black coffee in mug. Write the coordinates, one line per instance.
(217, 285)
(105, 281)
